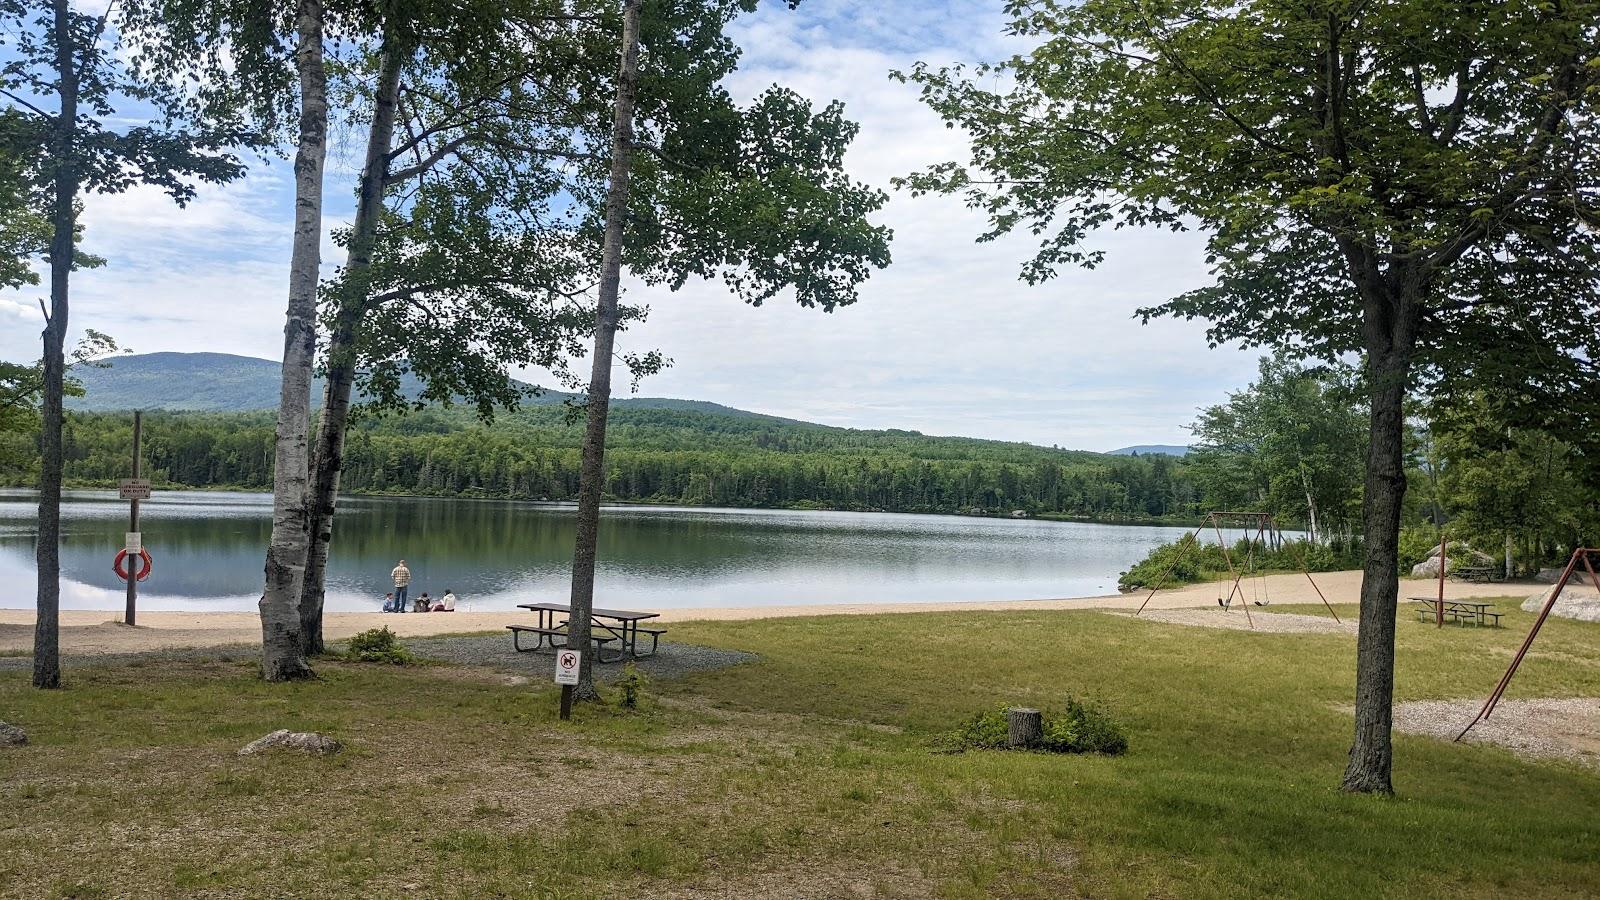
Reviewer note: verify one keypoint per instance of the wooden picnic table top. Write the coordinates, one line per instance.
(1479, 604)
(621, 615)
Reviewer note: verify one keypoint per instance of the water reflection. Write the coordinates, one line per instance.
(208, 553)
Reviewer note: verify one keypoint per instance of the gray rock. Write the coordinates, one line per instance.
(1551, 576)
(1429, 568)
(284, 739)
(1583, 605)
(12, 736)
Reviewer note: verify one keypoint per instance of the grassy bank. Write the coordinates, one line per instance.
(809, 772)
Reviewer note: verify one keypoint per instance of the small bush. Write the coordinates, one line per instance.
(984, 731)
(1202, 561)
(378, 645)
(631, 685)
(1082, 728)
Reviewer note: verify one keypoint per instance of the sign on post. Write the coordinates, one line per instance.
(133, 542)
(134, 489)
(567, 666)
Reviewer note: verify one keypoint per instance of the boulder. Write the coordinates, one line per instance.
(12, 736)
(1583, 605)
(1551, 576)
(284, 739)
(1429, 568)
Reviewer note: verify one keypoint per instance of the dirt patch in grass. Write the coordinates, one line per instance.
(1258, 620)
(1562, 728)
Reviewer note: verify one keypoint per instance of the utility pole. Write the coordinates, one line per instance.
(133, 531)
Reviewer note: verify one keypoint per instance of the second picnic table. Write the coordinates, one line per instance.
(1459, 611)
(606, 626)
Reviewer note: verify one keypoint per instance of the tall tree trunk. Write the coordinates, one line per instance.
(1509, 568)
(64, 220)
(591, 473)
(328, 459)
(1390, 329)
(282, 630)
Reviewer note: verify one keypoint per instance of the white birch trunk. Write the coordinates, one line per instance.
(328, 460)
(591, 474)
(282, 656)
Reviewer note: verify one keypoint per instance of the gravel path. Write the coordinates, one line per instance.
(494, 652)
(491, 651)
(1565, 728)
(1263, 621)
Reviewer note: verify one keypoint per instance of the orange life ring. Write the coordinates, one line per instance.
(122, 556)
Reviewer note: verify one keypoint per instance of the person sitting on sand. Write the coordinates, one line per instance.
(388, 602)
(423, 603)
(447, 603)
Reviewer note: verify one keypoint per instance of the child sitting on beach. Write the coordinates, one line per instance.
(388, 602)
(423, 603)
(447, 603)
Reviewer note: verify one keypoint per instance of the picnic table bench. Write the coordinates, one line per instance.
(607, 626)
(1476, 573)
(1458, 611)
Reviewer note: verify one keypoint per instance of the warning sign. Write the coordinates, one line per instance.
(133, 489)
(567, 666)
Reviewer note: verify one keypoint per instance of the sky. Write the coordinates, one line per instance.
(947, 340)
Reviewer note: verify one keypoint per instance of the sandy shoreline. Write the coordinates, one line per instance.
(96, 631)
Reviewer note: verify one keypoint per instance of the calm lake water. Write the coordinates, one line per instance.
(208, 551)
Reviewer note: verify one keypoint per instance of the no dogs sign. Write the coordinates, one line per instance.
(567, 666)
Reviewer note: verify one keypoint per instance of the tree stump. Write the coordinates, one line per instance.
(1026, 727)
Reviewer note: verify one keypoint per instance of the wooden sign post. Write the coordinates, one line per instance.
(133, 490)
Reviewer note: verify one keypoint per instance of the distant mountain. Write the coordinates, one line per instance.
(222, 382)
(1151, 449)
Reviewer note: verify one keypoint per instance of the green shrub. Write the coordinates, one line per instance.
(378, 645)
(632, 685)
(1206, 562)
(1417, 544)
(1082, 728)
(1182, 561)
(984, 731)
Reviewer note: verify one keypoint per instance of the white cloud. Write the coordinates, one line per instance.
(947, 340)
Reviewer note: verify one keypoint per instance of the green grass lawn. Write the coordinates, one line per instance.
(808, 773)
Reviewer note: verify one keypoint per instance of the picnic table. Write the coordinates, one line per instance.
(1476, 573)
(607, 626)
(1459, 611)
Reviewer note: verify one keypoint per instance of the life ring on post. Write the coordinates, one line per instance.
(144, 568)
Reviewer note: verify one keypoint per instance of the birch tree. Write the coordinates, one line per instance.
(698, 187)
(459, 263)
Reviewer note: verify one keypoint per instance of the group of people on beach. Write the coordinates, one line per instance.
(396, 600)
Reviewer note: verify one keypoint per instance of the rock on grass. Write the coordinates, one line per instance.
(12, 736)
(284, 739)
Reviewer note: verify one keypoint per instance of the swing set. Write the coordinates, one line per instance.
(1261, 535)
(1585, 555)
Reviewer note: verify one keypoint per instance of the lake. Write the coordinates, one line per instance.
(208, 549)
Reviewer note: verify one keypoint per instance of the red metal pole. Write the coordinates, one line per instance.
(1170, 566)
(1505, 680)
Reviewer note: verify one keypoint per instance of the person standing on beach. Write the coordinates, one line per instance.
(402, 580)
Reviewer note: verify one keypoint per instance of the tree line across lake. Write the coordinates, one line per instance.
(655, 455)
(1291, 443)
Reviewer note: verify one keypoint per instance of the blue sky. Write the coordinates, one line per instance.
(946, 341)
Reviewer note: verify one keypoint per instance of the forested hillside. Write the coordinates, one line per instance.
(657, 455)
(223, 382)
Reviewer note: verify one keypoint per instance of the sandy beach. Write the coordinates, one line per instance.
(97, 631)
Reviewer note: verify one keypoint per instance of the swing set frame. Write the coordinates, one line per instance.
(1585, 555)
(1266, 532)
